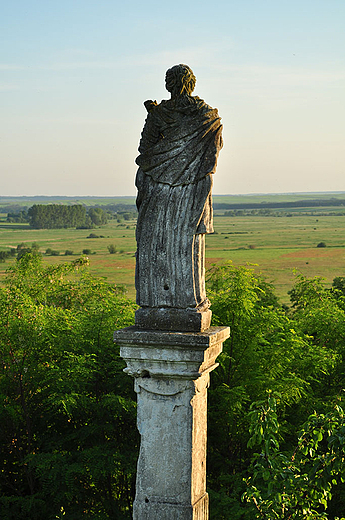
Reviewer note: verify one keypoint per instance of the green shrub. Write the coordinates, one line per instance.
(112, 249)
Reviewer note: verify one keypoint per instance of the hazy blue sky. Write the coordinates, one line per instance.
(74, 75)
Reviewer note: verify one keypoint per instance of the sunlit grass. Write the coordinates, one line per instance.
(276, 245)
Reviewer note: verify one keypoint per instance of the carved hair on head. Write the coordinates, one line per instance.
(184, 79)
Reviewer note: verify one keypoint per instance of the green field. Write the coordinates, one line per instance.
(275, 246)
(117, 268)
(278, 246)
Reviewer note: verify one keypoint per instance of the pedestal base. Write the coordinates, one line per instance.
(169, 318)
(171, 371)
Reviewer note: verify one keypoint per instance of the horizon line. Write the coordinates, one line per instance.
(251, 194)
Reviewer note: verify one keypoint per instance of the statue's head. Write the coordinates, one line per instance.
(180, 80)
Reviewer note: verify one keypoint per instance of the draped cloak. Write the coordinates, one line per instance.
(178, 149)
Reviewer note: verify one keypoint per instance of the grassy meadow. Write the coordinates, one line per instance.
(278, 246)
(116, 268)
(275, 246)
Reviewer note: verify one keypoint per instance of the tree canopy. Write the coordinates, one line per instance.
(53, 216)
(69, 443)
(68, 438)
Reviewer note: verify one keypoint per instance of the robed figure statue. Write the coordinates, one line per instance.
(178, 149)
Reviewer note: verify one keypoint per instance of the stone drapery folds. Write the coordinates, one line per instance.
(179, 148)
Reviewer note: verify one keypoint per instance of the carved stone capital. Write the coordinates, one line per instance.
(162, 354)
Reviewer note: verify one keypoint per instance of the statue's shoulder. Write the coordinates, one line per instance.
(201, 104)
(205, 111)
(182, 108)
(157, 110)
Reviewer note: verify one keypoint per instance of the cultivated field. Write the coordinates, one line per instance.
(275, 246)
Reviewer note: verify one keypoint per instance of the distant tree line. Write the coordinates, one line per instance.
(13, 208)
(120, 208)
(55, 216)
(266, 212)
(290, 204)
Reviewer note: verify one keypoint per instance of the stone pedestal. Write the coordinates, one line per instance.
(171, 371)
(197, 319)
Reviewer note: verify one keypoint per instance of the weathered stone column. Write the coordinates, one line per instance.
(171, 371)
(172, 348)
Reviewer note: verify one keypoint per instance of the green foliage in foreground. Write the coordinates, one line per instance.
(298, 355)
(69, 443)
(297, 486)
(68, 437)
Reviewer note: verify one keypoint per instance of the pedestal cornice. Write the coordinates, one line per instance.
(162, 354)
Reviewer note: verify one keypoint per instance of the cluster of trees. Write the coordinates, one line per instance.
(15, 213)
(96, 217)
(121, 212)
(69, 443)
(19, 251)
(19, 217)
(53, 216)
(24, 248)
(7, 254)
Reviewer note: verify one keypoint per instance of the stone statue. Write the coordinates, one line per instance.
(178, 149)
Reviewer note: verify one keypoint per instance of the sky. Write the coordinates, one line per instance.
(74, 75)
